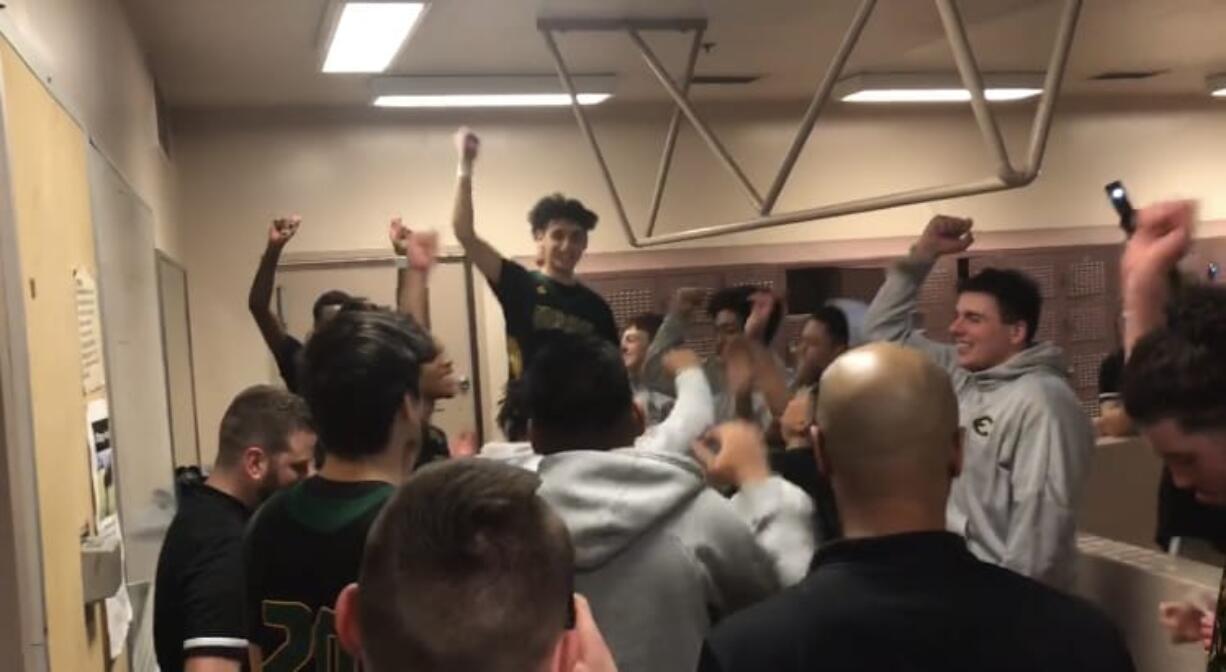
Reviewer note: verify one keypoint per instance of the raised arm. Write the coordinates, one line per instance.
(671, 334)
(485, 258)
(779, 514)
(1164, 232)
(693, 413)
(259, 298)
(889, 316)
(416, 252)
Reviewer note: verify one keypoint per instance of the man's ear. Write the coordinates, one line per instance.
(567, 653)
(348, 627)
(1017, 333)
(255, 462)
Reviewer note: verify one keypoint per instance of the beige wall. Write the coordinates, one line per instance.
(86, 53)
(346, 173)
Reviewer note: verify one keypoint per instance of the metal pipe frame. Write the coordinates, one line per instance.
(1007, 176)
(968, 69)
(819, 102)
(670, 139)
(700, 126)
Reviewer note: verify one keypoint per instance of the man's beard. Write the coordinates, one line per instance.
(268, 486)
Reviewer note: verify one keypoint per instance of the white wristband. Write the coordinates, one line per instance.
(464, 171)
(402, 262)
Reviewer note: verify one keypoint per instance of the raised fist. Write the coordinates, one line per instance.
(282, 229)
(944, 235)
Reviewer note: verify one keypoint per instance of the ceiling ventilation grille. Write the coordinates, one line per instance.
(1121, 75)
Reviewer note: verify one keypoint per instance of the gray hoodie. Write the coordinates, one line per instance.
(1028, 443)
(657, 552)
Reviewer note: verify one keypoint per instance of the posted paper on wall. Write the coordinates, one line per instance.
(89, 330)
(102, 461)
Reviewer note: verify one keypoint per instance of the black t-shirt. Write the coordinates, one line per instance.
(198, 598)
(532, 302)
(287, 354)
(1110, 372)
(918, 602)
(302, 548)
(799, 467)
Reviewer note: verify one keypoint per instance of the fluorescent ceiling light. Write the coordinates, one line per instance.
(492, 91)
(366, 36)
(1217, 85)
(490, 100)
(936, 95)
(934, 88)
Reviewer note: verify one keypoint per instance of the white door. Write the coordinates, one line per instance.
(450, 317)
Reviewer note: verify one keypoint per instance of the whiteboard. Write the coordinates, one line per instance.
(132, 341)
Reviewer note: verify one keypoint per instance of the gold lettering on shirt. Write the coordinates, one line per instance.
(550, 318)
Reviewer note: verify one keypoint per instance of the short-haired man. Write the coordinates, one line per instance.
(416, 256)
(1173, 382)
(1028, 441)
(467, 568)
(636, 340)
(265, 444)
(658, 553)
(285, 349)
(361, 373)
(549, 299)
(745, 378)
(824, 336)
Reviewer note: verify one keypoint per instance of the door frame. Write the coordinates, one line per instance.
(379, 258)
(160, 258)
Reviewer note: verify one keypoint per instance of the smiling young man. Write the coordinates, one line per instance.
(549, 299)
(1028, 443)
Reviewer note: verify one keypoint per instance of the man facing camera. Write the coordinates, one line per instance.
(1028, 442)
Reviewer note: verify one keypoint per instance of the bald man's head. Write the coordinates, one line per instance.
(888, 426)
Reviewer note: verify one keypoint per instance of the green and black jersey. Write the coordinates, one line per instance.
(302, 548)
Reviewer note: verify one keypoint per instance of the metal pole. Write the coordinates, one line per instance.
(603, 25)
(701, 127)
(955, 31)
(586, 128)
(1051, 86)
(850, 39)
(836, 210)
(670, 140)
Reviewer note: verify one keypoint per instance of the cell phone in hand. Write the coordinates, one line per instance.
(1118, 195)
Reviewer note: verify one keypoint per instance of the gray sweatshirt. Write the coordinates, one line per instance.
(1028, 443)
(657, 552)
(672, 335)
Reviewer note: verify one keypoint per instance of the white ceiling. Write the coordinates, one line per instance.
(244, 53)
